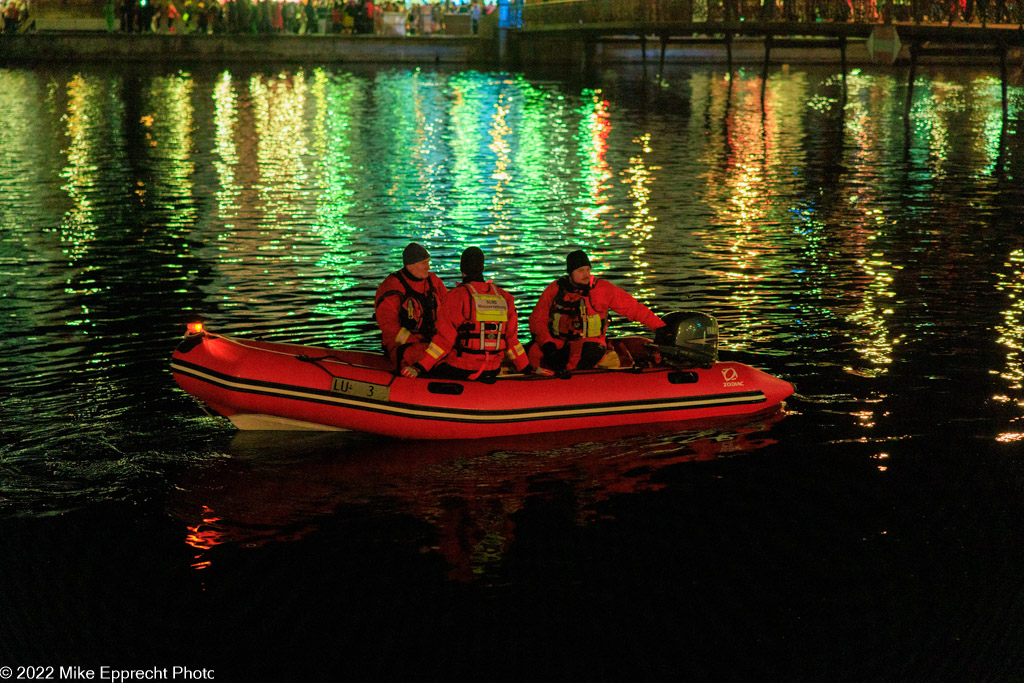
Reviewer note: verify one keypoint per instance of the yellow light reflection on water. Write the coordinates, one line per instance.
(866, 230)
(77, 226)
(881, 468)
(236, 165)
(871, 314)
(278, 104)
(638, 177)
(225, 120)
(1010, 437)
(500, 146)
(746, 240)
(1011, 329)
(168, 125)
(91, 118)
(260, 148)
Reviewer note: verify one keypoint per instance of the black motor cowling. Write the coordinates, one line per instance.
(689, 338)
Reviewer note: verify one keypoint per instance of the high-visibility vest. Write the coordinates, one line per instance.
(573, 316)
(484, 332)
(418, 311)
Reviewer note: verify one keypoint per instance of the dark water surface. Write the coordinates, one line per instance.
(872, 531)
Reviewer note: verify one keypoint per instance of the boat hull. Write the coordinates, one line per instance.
(265, 385)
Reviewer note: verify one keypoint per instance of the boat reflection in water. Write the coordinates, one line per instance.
(280, 486)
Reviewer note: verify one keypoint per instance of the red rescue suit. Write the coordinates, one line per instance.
(568, 313)
(406, 311)
(477, 326)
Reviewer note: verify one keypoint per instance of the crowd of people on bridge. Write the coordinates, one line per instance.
(305, 17)
(469, 332)
(350, 17)
(869, 11)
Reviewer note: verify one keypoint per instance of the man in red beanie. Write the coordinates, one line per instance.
(571, 318)
(406, 306)
(477, 327)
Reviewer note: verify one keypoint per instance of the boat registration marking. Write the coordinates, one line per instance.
(351, 387)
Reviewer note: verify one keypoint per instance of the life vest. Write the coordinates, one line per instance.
(417, 312)
(484, 332)
(573, 316)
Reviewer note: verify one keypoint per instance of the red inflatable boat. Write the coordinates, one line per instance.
(267, 385)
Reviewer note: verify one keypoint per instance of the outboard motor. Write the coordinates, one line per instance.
(688, 339)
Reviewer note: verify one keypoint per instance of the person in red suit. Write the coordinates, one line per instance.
(571, 318)
(406, 305)
(477, 327)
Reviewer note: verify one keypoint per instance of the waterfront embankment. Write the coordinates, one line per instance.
(78, 46)
(580, 45)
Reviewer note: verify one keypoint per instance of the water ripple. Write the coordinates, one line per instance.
(838, 247)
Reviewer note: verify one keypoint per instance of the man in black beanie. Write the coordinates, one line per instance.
(406, 304)
(576, 259)
(472, 264)
(477, 326)
(571, 318)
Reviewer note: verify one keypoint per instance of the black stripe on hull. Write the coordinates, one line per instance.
(462, 415)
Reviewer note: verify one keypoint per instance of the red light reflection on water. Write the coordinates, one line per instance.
(275, 488)
(205, 535)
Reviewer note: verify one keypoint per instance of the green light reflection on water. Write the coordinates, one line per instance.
(338, 100)
(524, 171)
(942, 110)
(466, 138)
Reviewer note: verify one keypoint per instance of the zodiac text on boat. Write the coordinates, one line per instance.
(731, 378)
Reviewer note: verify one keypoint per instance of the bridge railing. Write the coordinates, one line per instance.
(574, 12)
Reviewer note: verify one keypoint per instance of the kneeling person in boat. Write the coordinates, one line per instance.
(571, 318)
(406, 304)
(477, 327)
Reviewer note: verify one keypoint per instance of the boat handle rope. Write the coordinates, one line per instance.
(302, 357)
(316, 361)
